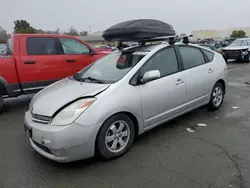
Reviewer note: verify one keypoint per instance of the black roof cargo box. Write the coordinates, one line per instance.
(138, 30)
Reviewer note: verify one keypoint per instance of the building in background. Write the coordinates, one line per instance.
(96, 38)
(203, 34)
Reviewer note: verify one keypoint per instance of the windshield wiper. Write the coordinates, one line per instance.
(79, 78)
(93, 80)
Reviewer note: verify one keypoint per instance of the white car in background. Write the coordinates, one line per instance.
(238, 49)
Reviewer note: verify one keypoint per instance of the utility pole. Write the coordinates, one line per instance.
(90, 29)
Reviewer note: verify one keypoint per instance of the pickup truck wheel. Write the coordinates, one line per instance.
(1, 102)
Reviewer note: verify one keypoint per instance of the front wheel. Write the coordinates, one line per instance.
(116, 136)
(217, 97)
(1, 102)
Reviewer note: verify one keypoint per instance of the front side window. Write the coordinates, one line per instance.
(110, 68)
(164, 61)
(72, 46)
(41, 46)
(191, 57)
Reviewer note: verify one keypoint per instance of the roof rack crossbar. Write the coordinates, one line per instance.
(171, 39)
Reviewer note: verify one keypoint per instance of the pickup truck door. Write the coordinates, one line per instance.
(76, 53)
(40, 62)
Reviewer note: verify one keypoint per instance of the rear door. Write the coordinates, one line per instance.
(76, 53)
(198, 74)
(40, 63)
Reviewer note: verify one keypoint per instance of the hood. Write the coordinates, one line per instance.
(53, 97)
(104, 52)
(236, 47)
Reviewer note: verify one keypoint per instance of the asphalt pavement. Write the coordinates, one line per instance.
(213, 155)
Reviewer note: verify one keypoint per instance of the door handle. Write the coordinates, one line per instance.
(29, 62)
(179, 81)
(210, 70)
(70, 60)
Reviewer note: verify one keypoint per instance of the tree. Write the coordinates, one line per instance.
(83, 33)
(238, 34)
(40, 31)
(72, 31)
(3, 35)
(22, 26)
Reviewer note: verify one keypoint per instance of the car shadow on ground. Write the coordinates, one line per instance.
(170, 128)
(16, 104)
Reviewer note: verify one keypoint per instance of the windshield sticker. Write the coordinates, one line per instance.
(140, 53)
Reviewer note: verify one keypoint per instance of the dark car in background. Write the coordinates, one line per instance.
(238, 49)
(211, 47)
(224, 42)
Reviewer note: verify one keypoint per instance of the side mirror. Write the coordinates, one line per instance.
(150, 75)
(91, 52)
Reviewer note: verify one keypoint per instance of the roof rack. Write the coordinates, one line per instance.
(170, 39)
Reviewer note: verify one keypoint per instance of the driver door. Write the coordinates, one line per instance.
(162, 98)
(76, 53)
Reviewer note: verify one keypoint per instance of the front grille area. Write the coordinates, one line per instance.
(234, 53)
(41, 119)
(42, 147)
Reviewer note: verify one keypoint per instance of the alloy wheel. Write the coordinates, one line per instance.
(217, 96)
(117, 136)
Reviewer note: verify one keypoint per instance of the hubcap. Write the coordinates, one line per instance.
(117, 136)
(217, 96)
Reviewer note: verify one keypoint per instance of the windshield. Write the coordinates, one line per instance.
(236, 43)
(110, 68)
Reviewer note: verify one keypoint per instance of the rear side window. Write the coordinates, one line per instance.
(191, 57)
(209, 55)
(41, 46)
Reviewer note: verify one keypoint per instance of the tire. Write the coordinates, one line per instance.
(111, 136)
(248, 58)
(1, 102)
(215, 104)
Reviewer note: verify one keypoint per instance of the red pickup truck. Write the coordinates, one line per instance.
(34, 61)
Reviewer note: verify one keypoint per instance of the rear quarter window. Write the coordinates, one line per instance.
(209, 55)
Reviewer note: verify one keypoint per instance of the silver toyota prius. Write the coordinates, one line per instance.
(101, 109)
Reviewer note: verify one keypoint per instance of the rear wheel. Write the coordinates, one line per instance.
(217, 97)
(1, 102)
(116, 136)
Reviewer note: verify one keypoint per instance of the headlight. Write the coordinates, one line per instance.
(71, 112)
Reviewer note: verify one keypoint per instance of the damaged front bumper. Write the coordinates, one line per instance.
(237, 54)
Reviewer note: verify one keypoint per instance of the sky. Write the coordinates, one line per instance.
(183, 15)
